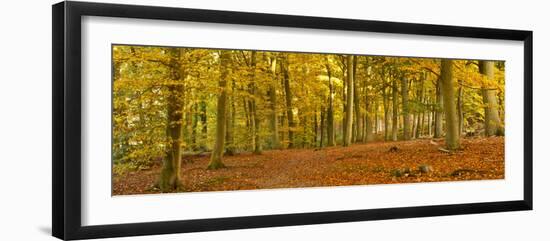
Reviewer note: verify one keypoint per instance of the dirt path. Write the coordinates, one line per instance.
(360, 164)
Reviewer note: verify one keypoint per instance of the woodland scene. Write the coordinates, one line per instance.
(197, 119)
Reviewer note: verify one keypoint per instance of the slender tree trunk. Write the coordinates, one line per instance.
(344, 104)
(349, 102)
(423, 98)
(376, 124)
(423, 118)
(252, 129)
(188, 120)
(414, 133)
(452, 139)
(432, 113)
(368, 136)
(386, 113)
(315, 129)
(493, 125)
(303, 121)
(430, 117)
(254, 105)
(357, 125)
(438, 129)
(394, 111)
(248, 121)
(194, 127)
(416, 128)
(322, 128)
(420, 93)
(288, 99)
(273, 105)
(284, 122)
(330, 111)
(217, 152)
(459, 108)
(230, 124)
(204, 125)
(405, 107)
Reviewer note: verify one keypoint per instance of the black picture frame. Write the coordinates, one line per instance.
(66, 141)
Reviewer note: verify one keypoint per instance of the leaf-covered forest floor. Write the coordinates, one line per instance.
(359, 164)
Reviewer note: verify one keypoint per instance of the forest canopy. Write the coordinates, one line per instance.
(170, 103)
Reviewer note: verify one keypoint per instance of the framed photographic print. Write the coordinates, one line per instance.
(169, 120)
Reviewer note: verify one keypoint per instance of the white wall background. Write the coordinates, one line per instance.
(25, 119)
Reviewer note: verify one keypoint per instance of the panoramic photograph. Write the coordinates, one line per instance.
(201, 119)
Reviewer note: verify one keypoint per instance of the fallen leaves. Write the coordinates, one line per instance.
(359, 164)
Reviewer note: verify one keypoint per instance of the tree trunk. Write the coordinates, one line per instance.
(282, 122)
(394, 111)
(204, 125)
(253, 105)
(376, 124)
(322, 127)
(288, 99)
(349, 102)
(452, 139)
(344, 103)
(414, 130)
(419, 124)
(423, 98)
(273, 105)
(170, 176)
(386, 113)
(230, 125)
(315, 129)
(368, 136)
(459, 108)
(187, 134)
(246, 114)
(217, 152)
(302, 119)
(357, 125)
(330, 111)
(195, 120)
(493, 125)
(429, 102)
(405, 107)
(423, 118)
(438, 126)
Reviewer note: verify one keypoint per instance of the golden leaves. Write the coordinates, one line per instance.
(360, 164)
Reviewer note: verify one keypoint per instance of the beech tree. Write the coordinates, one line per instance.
(288, 99)
(451, 118)
(274, 118)
(405, 107)
(173, 104)
(330, 108)
(394, 109)
(349, 101)
(170, 177)
(217, 152)
(492, 120)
